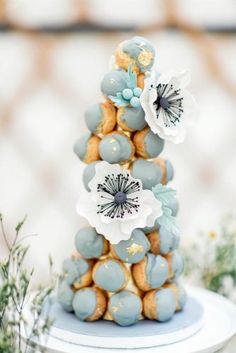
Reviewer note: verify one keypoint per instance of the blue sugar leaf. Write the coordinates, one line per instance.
(164, 194)
(132, 78)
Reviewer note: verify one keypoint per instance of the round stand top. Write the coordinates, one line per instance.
(204, 326)
(181, 325)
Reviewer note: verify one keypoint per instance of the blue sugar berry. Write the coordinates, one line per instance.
(135, 102)
(127, 93)
(137, 91)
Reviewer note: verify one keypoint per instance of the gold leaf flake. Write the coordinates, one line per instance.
(145, 57)
(134, 249)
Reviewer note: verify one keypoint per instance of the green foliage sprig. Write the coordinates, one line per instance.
(15, 293)
(210, 259)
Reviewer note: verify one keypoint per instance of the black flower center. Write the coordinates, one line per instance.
(120, 197)
(169, 101)
(117, 196)
(164, 103)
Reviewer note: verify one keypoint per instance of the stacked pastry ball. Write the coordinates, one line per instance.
(136, 278)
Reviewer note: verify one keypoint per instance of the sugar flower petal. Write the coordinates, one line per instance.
(168, 106)
(117, 203)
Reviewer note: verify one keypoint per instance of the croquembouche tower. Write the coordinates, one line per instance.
(126, 266)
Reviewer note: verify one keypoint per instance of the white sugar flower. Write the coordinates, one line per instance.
(117, 203)
(168, 106)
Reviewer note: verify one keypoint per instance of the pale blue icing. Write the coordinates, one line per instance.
(134, 118)
(84, 303)
(182, 296)
(165, 304)
(153, 144)
(80, 147)
(169, 170)
(109, 275)
(114, 82)
(134, 249)
(115, 148)
(65, 296)
(93, 117)
(74, 269)
(156, 270)
(148, 172)
(88, 174)
(133, 48)
(168, 241)
(177, 264)
(89, 243)
(125, 308)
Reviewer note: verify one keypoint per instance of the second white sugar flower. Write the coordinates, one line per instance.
(168, 106)
(117, 203)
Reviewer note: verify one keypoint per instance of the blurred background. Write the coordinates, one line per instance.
(53, 55)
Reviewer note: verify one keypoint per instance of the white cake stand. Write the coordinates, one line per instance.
(205, 326)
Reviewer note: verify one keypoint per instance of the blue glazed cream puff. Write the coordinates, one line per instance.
(77, 272)
(101, 118)
(131, 119)
(132, 250)
(148, 172)
(159, 304)
(87, 148)
(88, 174)
(147, 144)
(162, 241)
(125, 308)
(116, 148)
(90, 244)
(137, 52)
(110, 275)
(153, 172)
(89, 304)
(179, 294)
(114, 82)
(65, 296)
(151, 272)
(175, 265)
(167, 169)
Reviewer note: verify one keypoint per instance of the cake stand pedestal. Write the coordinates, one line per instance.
(205, 326)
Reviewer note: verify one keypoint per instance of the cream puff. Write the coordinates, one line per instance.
(110, 275)
(116, 148)
(65, 295)
(77, 272)
(159, 304)
(162, 241)
(125, 308)
(175, 265)
(90, 244)
(87, 148)
(89, 304)
(131, 119)
(147, 144)
(137, 52)
(132, 250)
(179, 293)
(101, 118)
(151, 272)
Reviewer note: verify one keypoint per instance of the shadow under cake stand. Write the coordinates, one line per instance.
(206, 324)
